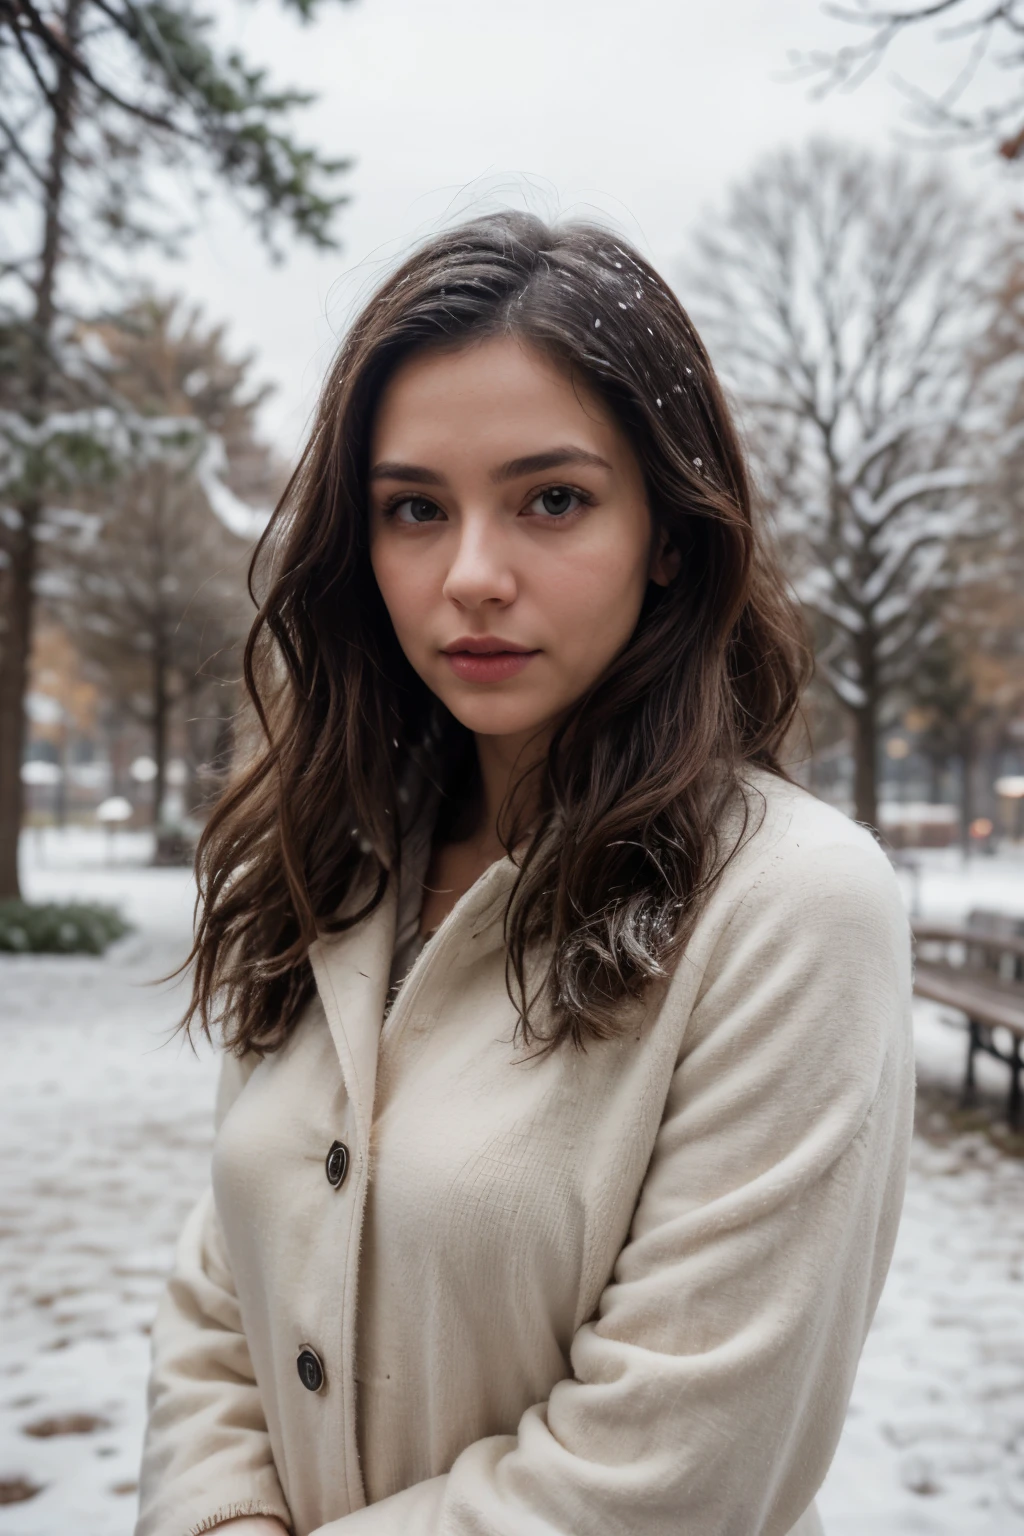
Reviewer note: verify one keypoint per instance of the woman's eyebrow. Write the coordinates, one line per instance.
(528, 464)
(553, 458)
(418, 474)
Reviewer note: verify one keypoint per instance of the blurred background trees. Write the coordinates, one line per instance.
(149, 582)
(849, 299)
(867, 313)
(980, 38)
(142, 583)
(99, 100)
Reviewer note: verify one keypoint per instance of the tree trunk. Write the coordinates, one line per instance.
(20, 579)
(160, 712)
(23, 541)
(936, 768)
(865, 766)
(865, 733)
(60, 804)
(968, 756)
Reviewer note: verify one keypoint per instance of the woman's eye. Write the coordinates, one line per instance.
(556, 501)
(415, 509)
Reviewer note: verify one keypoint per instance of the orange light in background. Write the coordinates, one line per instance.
(981, 827)
(918, 719)
(897, 748)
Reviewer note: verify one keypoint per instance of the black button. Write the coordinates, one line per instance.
(311, 1371)
(337, 1164)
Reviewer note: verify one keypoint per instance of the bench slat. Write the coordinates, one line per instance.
(943, 933)
(987, 1001)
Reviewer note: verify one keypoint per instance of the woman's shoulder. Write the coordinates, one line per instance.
(803, 949)
(792, 858)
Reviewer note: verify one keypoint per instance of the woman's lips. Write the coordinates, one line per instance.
(491, 666)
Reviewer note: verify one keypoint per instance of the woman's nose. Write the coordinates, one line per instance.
(480, 571)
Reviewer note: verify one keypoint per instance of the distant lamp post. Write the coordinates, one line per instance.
(113, 813)
(897, 750)
(172, 812)
(980, 832)
(1011, 788)
(37, 773)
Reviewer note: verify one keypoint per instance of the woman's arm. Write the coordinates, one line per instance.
(709, 1391)
(207, 1459)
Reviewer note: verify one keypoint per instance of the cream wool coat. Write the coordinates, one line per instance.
(621, 1293)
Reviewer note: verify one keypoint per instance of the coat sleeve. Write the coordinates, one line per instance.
(708, 1392)
(207, 1455)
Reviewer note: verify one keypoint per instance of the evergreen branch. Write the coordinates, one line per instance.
(235, 111)
(74, 60)
(134, 23)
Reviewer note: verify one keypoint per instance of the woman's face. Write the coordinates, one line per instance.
(510, 532)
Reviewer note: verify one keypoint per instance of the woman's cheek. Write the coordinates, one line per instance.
(405, 592)
(596, 606)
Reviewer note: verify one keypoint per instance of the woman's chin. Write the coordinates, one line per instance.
(499, 717)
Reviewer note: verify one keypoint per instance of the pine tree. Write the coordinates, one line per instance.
(98, 99)
(149, 579)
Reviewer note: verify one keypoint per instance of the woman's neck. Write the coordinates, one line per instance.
(504, 760)
(456, 864)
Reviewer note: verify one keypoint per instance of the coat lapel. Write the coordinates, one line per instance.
(352, 970)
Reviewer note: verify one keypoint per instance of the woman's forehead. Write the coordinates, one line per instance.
(494, 391)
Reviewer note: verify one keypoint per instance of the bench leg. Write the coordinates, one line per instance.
(973, 1047)
(1014, 1107)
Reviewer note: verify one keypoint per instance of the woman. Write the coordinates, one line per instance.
(565, 1108)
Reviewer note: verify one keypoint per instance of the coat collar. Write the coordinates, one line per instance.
(352, 971)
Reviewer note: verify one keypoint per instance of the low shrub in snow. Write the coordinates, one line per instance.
(58, 928)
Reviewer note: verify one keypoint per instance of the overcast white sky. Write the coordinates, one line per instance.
(639, 109)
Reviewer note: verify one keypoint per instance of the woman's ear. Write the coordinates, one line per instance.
(665, 560)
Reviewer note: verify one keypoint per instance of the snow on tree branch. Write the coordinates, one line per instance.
(844, 296)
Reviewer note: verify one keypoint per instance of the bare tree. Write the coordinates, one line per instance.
(971, 690)
(985, 37)
(840, 293)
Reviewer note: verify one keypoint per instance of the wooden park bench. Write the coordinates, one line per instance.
(979, 970)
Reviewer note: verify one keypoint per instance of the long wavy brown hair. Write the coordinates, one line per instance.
(351, 741)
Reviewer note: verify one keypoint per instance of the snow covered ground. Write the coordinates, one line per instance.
(104, 1136)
